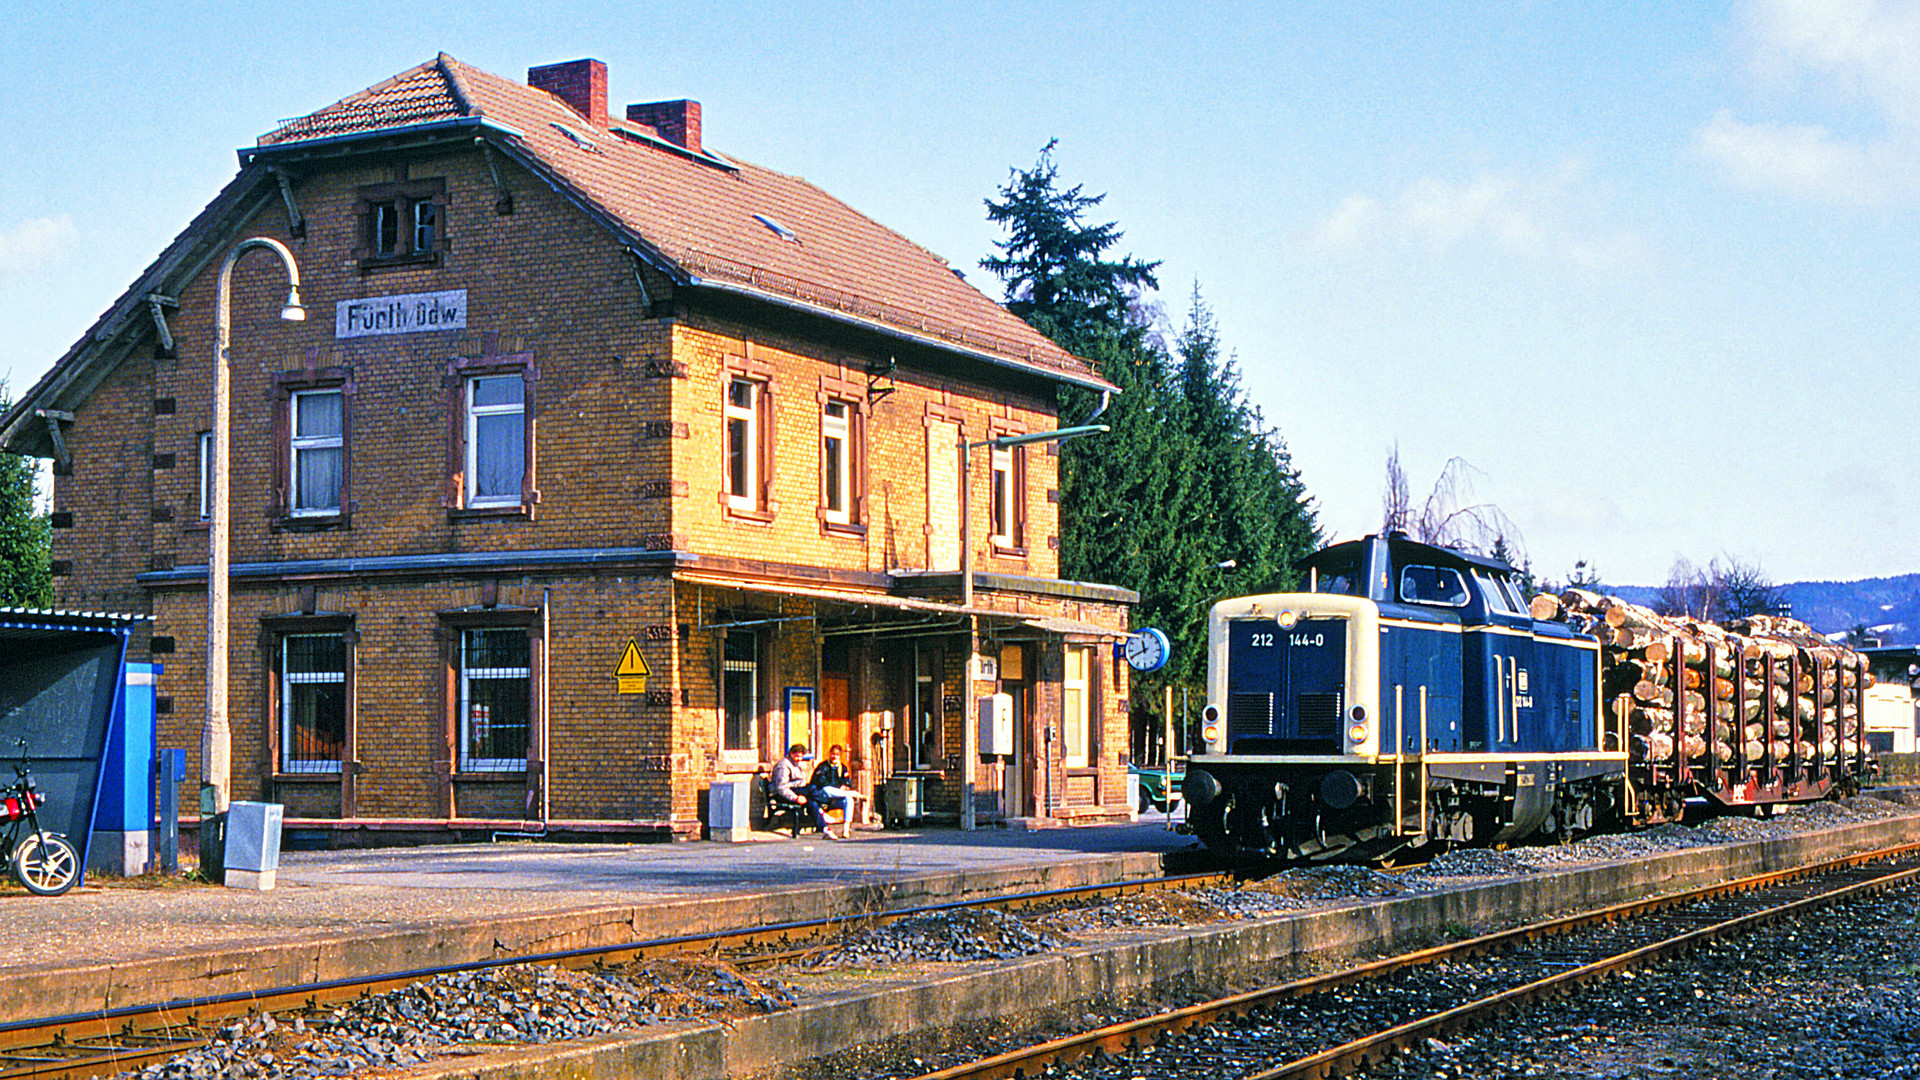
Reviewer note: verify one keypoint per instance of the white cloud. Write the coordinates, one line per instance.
(1800, 158)
(33, 242)
(1866, 52)
(1516, 215)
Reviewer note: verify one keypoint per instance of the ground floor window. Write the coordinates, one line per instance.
(496, 696)
(740, 690)
(924, 734)
(1076, 711)
(313, 702)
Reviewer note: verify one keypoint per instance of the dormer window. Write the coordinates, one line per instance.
(403, 224)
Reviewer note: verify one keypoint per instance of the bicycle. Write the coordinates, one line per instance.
(42, 861)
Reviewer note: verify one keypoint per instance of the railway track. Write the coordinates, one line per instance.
(118, 1040)
(1336, 1023)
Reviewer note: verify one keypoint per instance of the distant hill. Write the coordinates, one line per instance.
(1889, 606)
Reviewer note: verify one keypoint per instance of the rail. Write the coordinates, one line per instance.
(118, 1040)
(1132, 1034)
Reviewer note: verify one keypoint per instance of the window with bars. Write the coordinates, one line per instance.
(313, 702)
(740, 691)
(496, 696)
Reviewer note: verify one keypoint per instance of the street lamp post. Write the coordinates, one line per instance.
(216, 735)
(969, 736)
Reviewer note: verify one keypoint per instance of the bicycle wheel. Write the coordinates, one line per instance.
(45, 864)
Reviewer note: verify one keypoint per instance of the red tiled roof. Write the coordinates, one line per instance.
(704, 218)
(419, 96)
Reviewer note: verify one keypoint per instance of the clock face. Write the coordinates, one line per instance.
(1147, 650)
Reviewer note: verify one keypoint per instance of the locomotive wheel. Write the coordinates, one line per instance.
(45, 864)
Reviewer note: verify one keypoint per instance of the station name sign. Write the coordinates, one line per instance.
(407, 314)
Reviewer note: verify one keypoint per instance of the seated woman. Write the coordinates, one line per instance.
(787, 786)
(830, 781)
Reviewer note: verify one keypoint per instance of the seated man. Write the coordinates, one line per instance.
(790, 786)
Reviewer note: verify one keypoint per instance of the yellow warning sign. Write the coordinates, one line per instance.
(633, 670)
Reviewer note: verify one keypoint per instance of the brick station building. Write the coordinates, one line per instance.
(571, 383)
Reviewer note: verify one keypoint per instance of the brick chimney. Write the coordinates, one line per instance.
(582, 84)
(678, 122)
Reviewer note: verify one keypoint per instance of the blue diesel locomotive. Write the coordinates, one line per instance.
(1409, 700)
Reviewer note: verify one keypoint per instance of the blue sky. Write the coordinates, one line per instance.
(1649, 268)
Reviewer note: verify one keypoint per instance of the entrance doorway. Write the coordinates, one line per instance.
(1017, 778)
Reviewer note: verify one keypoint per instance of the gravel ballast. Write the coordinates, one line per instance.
(517, 1007)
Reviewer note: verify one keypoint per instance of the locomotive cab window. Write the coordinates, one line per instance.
(1340, 578)
(1499, 593)
(1437, 585)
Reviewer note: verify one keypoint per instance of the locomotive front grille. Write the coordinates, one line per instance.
(1249, 714)
(1317, 716)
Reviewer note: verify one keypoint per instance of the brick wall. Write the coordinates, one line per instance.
(626, 452)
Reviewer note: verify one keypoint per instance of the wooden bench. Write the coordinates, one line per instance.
(797, 815)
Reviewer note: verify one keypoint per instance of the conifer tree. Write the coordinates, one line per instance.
(25, 537)
(1190, 477)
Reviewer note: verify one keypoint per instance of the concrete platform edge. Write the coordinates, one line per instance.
(782, 1043)
(78, 991)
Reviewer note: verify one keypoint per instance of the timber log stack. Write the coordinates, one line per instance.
(1764, 691)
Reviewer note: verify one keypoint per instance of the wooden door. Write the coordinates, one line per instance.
(836, 716)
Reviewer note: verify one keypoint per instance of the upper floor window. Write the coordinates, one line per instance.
(206, 476)
(496, 440)
(1007, 510)
(745, 465)
(317, 451)
(836, 462)
(404, 223)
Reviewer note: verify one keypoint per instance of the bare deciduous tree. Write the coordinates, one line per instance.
(1724, 590)
(1396, 502)
(1449, 516)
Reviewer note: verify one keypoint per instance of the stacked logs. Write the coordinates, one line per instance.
(1780, 693)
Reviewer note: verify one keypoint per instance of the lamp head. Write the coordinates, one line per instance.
(292, 311)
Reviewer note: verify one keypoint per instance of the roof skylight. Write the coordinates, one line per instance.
(580, 138)
(779, 230)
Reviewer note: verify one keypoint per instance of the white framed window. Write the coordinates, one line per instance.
(1005, 508)
(318, 450)
(205, 440)
(496, 440)
(740, 691)
(1076, 708)
(426, 226)
(496, 696)
(743, 464)
(313, 702)
(836, 462)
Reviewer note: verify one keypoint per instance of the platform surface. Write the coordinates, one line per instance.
(325, 895)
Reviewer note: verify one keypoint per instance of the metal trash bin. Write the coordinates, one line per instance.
(902, 800)
(728, 814)
(253, 845)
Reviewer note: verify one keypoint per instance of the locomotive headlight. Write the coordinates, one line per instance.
(1286, 619)
(1210, 733)
(1357, 733)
